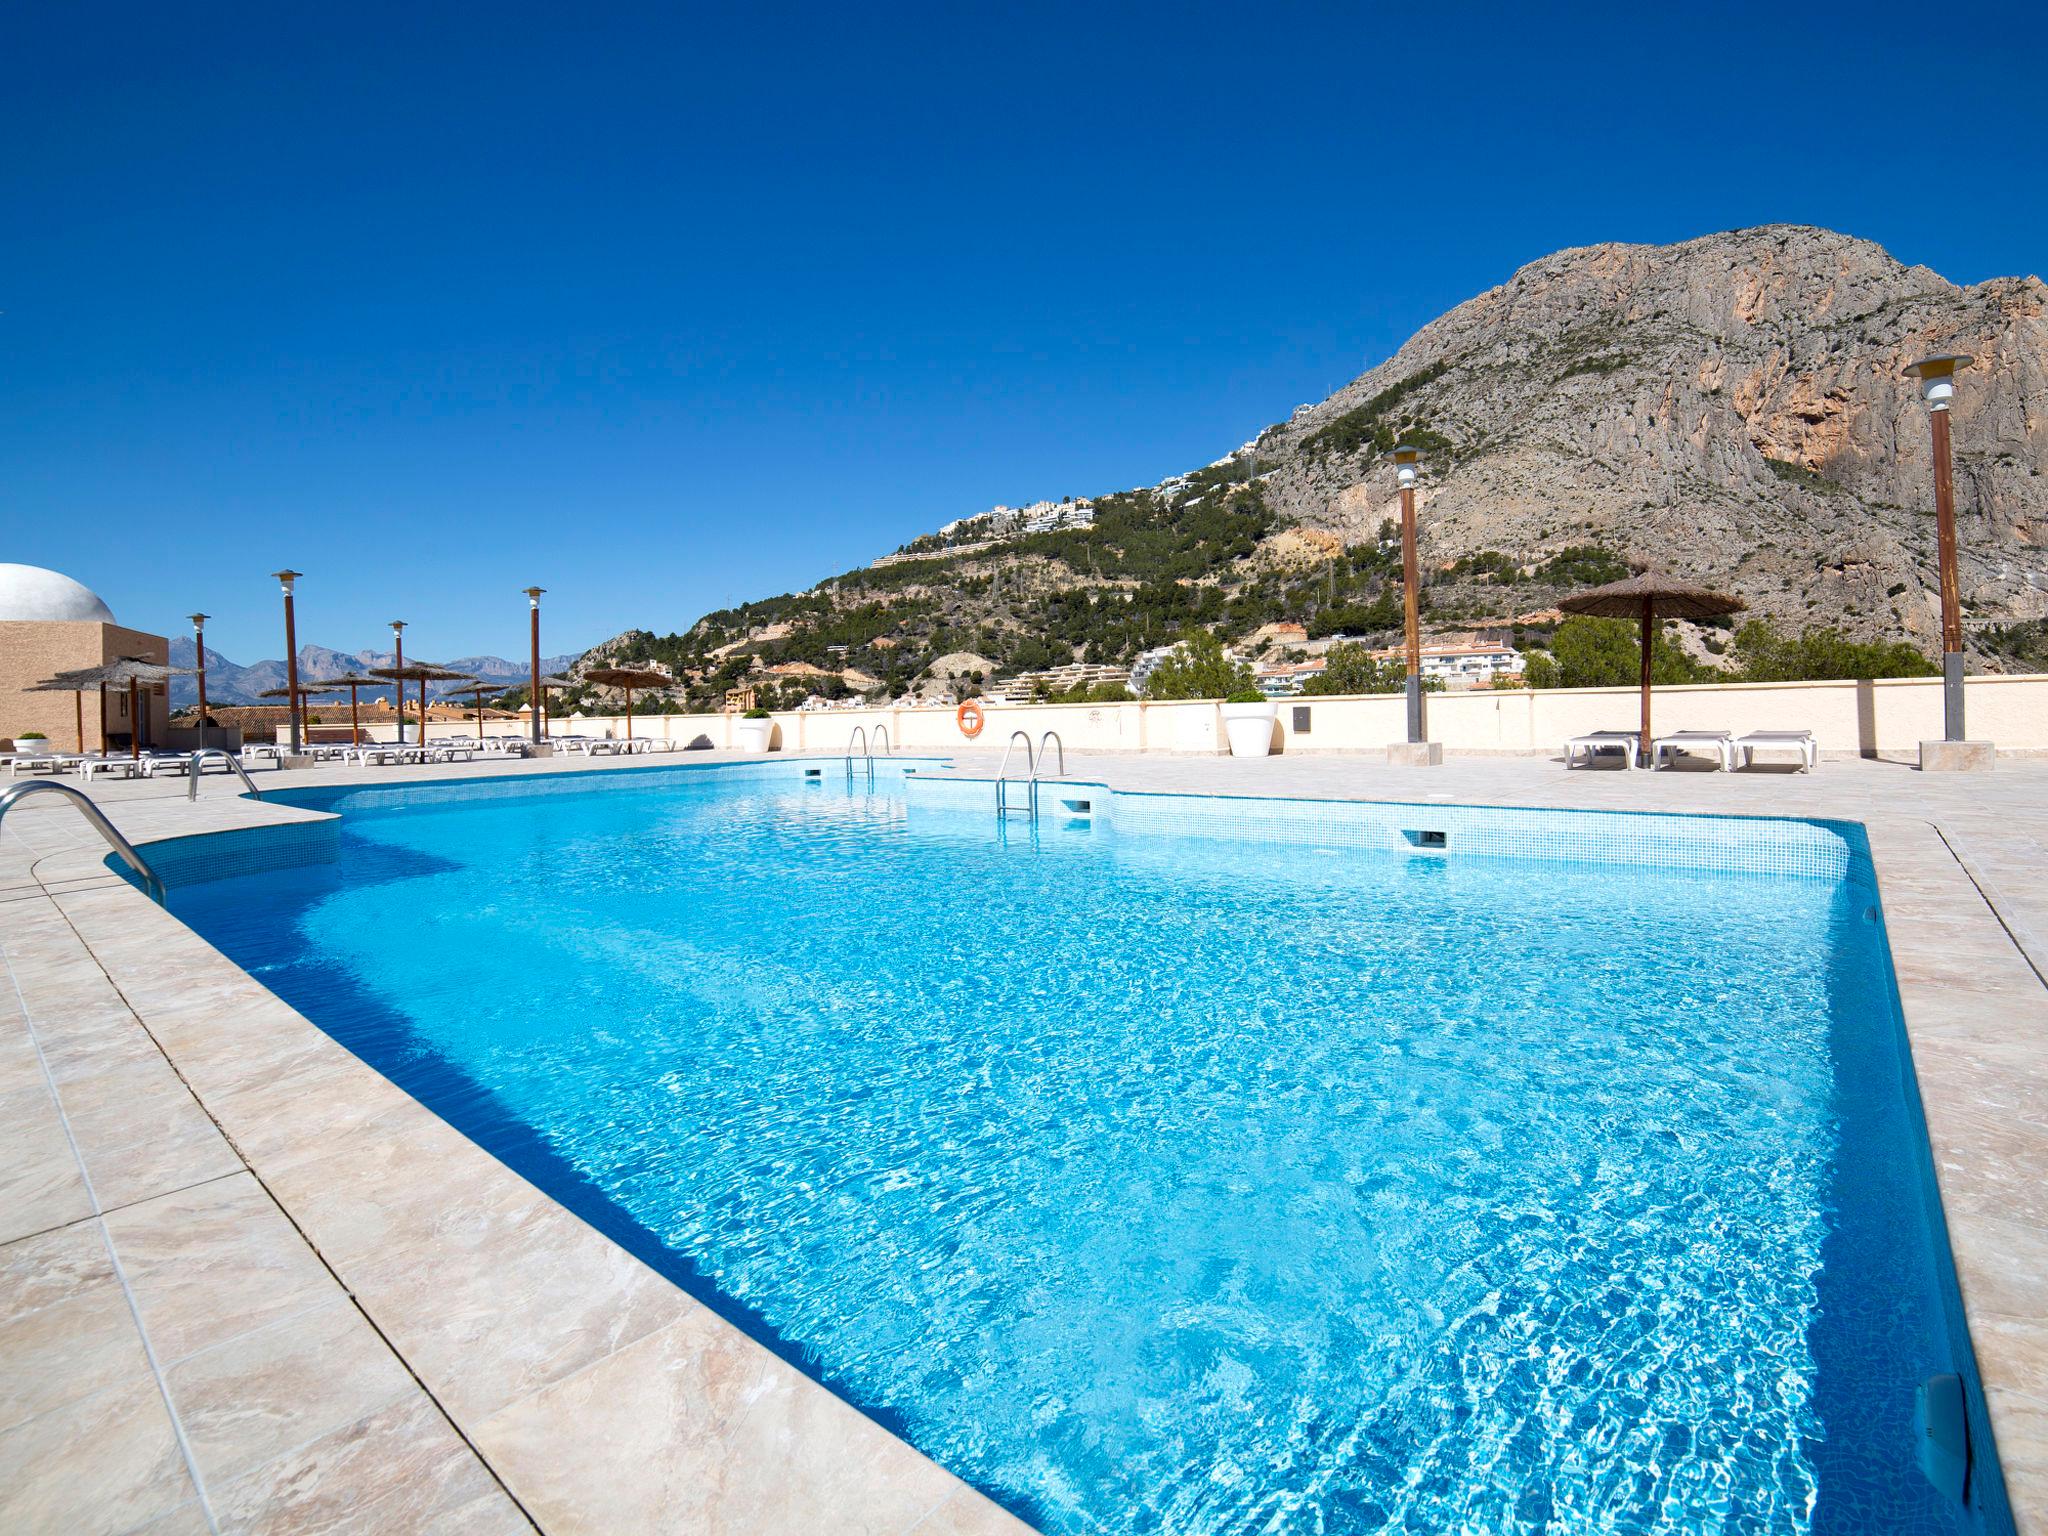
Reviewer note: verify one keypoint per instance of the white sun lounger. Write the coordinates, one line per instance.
(1801, 742)
(111, 767)
(1668, 749)
(1627, 743)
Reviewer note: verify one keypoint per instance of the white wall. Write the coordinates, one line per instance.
(1891, 716)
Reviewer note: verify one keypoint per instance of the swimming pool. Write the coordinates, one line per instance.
(1196, 1165)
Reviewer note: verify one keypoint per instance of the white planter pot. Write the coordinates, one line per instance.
(1250, 728)
(752, 735)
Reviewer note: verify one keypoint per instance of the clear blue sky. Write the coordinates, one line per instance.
(668, 307)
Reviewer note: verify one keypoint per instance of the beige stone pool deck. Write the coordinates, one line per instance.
(247, 1285)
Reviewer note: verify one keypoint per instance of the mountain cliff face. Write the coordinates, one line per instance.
(1732, 408)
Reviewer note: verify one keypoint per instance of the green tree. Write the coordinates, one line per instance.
(1608, 653)
(1198, 668)
(1085, 693)
(1351, 668)
(1762, 655)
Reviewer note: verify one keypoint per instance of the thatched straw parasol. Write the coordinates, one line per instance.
(628, 678)
(1651, 598)
(74, 684)
(540, 698)
(477, 687)
(129, 670)
(351, 681)
(420, 672)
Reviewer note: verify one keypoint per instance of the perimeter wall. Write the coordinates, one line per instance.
(1889, 717)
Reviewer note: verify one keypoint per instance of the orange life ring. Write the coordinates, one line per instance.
(968, 716)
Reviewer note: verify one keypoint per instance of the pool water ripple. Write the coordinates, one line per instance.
(1187, 1186)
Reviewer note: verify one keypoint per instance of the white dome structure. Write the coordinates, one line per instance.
(32, 593)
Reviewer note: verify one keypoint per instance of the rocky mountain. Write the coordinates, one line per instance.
(228, 683)
(1731, 408)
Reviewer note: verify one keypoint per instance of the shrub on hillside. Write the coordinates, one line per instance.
(1762, 655)
(1198, 668)
(1608, 653)
(1351, 668)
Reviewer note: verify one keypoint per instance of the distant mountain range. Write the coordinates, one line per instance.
(1732, 410)
(228, 683)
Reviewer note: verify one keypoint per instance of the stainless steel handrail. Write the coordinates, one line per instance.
(860, 734)
(882, 742)
(1030, 775)
(1054, 738)
(234, 762)
(92, 813)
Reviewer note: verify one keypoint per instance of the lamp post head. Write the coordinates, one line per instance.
(533, 596)
(199, 619)
(285, 579)
(398, 626)
(1407, 464)
(1937, 376)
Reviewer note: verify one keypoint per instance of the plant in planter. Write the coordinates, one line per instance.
(1248, 717)
(33, 736)
(755, 730)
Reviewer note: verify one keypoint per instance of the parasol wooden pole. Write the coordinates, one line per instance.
(479, 716)
(629, 714)
(134, 724)
(355, 724)
(101, 745)
(78, 700)
(1649, 634)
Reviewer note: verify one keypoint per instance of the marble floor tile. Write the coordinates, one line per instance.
(41, 1184)
(400, 1469)
(261, 1393)
(213, 1261)
(486, 1314)
(66, 1330)
(105, 1463)
(704, 1430)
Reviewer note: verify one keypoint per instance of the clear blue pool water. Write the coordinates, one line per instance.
(1171, 1185)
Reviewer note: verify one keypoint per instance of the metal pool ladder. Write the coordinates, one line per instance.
(192, 770)
(12, 796)
(1030, 779)
(1034, 762)
(1054, 738)
(860, 734)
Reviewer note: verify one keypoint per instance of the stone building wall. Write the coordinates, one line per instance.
(31, 650)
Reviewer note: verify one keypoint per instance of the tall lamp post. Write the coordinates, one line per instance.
(533, 613)
(291, 656)
(1418, 750)
(199, 664)
(398, 688)
(1937, 376)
